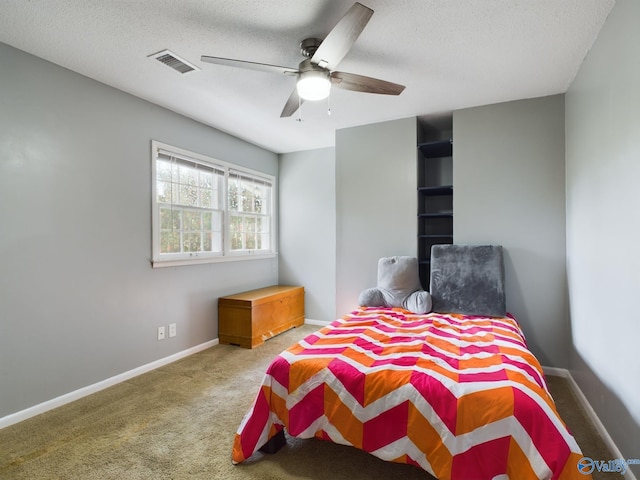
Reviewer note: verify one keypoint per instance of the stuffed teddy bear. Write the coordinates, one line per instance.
(398, 286)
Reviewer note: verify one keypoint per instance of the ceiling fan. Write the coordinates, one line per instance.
(316, 74)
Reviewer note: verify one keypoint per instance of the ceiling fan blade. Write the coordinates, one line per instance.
(342, 37)
(360, 83)
(293, 103)
(261, 67)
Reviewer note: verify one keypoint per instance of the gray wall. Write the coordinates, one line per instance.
(508, 174)
(603, 225)
(79, 301)
(375, 202)
(307, 217)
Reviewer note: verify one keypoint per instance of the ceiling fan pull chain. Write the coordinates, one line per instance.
(299, 119)
(329, 104)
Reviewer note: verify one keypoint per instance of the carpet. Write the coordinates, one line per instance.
(178, 422)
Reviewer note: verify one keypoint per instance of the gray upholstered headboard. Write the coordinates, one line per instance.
(468, 279)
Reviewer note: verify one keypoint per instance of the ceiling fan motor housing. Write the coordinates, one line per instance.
(308, 46)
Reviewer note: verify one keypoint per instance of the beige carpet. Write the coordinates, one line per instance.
(178, 422)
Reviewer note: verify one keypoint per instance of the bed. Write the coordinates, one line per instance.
(457, 394)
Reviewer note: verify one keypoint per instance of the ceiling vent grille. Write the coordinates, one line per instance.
(170, 59)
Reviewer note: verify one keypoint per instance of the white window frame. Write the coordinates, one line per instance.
(159, 259)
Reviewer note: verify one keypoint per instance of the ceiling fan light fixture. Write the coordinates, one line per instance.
(313, 85)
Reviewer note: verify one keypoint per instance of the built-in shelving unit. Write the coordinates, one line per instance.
(435, 201)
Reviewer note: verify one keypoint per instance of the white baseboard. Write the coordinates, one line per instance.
(310, 321)
(17, 417)
(593, 416)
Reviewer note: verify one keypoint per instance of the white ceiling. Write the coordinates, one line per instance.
(450, 54)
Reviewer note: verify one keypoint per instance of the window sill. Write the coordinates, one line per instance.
(203, 260)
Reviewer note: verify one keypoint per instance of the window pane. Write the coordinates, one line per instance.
(249, 242)
(249, 230)
(206, 180)
(240, 195)
(188, 175)
(188, 195)
(247, 197)
(262, 225)
(260, 197)
(192, 221)
(206, 242)
(207, 220)
(250, 224)
(205, 198)
(216, 189)
(235, 230)
(233, 196)
(163, 192)
(192, 242)
(170, 241)
(169, 219)
(163, 170)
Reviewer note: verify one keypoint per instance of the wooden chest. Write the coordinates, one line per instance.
(249, 318)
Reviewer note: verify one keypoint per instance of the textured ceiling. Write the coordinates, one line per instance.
(450, 54)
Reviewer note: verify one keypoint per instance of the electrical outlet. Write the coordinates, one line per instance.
(161, 333)
(172, 330)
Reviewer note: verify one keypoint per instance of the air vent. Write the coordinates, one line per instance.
(170, 59)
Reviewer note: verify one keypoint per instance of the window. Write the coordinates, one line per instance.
(249, 212)
(206, 210)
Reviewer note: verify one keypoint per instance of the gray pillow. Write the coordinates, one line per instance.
(398, 286)
(468, 279)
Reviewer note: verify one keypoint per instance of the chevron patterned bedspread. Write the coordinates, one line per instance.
(459, 396)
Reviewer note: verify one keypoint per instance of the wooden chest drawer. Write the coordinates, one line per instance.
(249, 318)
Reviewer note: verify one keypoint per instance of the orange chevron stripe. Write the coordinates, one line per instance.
(378, 384)
(359, 357)
(518, 465)
(486, 337)
(528, 356)
(486, 406)
(510, 334)
(429, 364)
(446, 346)
(395, 350)
(342, 418)
(378, 336)
(277, 404)
(428, 440)
(401, 459)
(542, 393)
(519, 376)
(237, 455)
(335, 340)
(304, 369)
(296, 349)
(479, 362)
(570, 470)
